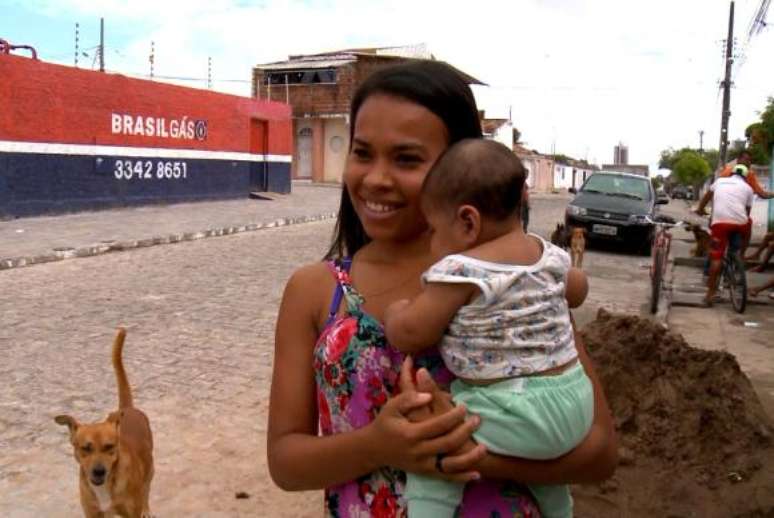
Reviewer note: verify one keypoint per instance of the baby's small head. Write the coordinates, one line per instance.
(472, 194)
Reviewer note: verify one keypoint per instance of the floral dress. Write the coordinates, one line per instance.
(356, 371)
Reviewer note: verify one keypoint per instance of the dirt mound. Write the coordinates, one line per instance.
(688, 417)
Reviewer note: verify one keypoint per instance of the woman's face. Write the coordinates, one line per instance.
(394, 145)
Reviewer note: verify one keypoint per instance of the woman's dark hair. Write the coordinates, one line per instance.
(431, 84)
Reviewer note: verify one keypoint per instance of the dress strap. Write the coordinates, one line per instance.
(336, 267)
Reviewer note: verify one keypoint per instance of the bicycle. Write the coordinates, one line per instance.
(733, 276)
(659, 253)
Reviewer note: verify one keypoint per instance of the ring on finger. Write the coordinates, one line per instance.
(439, 462)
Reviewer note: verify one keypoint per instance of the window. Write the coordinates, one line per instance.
(300, 77)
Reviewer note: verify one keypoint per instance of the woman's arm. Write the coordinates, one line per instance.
(593, 460)
(298, 458)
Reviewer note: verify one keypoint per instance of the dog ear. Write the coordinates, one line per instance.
(70, 422)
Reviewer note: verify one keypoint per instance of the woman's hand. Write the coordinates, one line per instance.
(460, 450)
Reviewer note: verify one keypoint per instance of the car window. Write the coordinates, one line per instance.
(618, 185)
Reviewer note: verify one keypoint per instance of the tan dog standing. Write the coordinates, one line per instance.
(703, 240)
(577, 246)
(116, 455)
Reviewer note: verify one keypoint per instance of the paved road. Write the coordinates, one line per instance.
(200, 319)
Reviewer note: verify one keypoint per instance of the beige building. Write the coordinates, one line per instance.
(540, 167)
(320, 88)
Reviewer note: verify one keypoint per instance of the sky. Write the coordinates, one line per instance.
(576, 76)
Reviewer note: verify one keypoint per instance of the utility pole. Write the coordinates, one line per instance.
(701, 140)
(726, 83)
(101, 45)
(152, 58)
(76, 44)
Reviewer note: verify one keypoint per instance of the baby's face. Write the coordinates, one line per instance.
(446, 232)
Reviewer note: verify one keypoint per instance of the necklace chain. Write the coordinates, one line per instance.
(391, 288)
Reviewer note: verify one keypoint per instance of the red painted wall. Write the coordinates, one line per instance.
(43, 102)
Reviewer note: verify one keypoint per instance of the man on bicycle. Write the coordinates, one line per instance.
(732, 199)
(745, 159)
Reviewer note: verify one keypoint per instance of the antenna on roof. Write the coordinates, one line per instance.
(76, 44)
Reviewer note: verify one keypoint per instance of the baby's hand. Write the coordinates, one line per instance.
(395, 308)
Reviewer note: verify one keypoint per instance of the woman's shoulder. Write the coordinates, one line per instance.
(311, 273)
(310, 285)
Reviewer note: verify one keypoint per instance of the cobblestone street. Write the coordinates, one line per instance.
(200, 319)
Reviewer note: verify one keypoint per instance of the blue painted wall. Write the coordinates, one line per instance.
(34, 184)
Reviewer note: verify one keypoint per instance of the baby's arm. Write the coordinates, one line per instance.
(414, 325)
(577, 287)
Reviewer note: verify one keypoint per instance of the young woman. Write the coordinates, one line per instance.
(333, 368)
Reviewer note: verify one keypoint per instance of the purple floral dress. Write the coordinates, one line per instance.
(356, 371)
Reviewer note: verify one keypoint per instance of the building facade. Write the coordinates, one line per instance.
(620, 154)
(540, 169)
(74, 139)
(320, 87)
(642, 170)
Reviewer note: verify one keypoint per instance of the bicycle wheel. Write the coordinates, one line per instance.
(737, 282)
(656, 279)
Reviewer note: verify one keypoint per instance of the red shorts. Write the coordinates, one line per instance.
(720, 234)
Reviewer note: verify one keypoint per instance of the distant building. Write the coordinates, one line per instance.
(621, 154)
(642, 170)
(571, 174)
(320, 87)
(499, 130)
(540, 168)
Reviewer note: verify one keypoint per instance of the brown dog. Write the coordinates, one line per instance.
(559, 236)
(703, 240)
(116, 455)
(577, 246)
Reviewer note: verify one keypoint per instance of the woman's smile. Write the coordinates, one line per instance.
(379, 209)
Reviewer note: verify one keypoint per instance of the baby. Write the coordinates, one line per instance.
(498, 304)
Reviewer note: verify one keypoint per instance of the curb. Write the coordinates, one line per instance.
(60, 254)
(665, 298)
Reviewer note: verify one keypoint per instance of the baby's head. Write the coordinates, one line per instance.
(472, 195)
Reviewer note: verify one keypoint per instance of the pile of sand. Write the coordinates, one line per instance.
(689, 425)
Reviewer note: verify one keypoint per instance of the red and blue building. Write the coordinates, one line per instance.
(73, 139)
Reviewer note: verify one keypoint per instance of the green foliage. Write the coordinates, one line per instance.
(691, 168)
(657, 181)
(562, 159)
(760, 135)
(670, 157)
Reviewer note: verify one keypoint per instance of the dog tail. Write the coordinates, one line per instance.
(124, 392)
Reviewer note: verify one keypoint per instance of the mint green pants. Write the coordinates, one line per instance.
(534, 417)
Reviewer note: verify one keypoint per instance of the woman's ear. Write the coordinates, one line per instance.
(470, 220)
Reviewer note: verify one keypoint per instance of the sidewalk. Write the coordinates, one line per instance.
(28, 241)
(748, 336)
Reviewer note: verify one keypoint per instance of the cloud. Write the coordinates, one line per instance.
(577, 75)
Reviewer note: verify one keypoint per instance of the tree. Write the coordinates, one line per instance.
(657, 181)
(669, 157)
(691, 168)
(760, 135)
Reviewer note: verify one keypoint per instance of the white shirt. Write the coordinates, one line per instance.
(520, 324)
(731, 197)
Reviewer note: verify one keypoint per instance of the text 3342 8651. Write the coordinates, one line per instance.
(149, 170)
